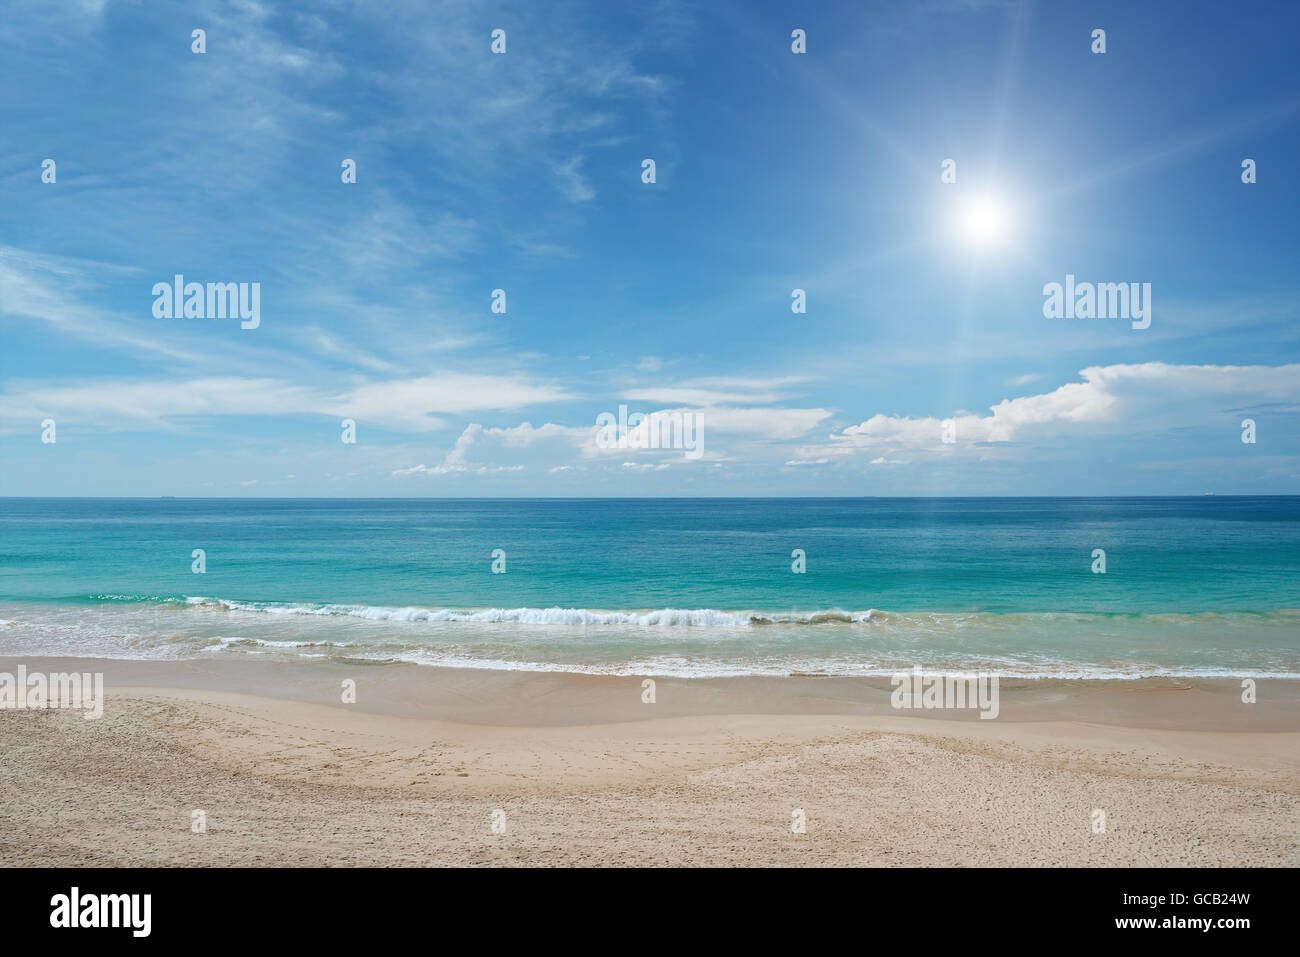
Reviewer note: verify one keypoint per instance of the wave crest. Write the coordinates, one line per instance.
(659, 617)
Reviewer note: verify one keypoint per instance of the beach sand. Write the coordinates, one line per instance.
(588, 774)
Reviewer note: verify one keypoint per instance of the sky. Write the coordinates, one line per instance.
(924, 361)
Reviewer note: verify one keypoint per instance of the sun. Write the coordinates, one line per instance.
(984, 221)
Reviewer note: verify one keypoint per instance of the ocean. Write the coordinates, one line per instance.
(1204, 586)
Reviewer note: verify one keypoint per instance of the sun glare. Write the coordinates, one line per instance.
(984, 221)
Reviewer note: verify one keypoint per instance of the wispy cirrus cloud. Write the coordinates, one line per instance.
(412, 405)
(714, 390)
(521, 171)
(50, 290)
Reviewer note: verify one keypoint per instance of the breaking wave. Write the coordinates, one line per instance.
(660, 617)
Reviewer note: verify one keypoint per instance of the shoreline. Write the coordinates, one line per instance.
(587, 774)
(517, 697)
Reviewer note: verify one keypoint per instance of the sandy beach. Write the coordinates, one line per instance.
(585, 773)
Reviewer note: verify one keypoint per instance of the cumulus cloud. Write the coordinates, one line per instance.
(1131, 399)
(555, 447)
(481, 449)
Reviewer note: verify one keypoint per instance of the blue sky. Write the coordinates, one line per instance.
(522, 171)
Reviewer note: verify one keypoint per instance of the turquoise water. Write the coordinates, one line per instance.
(1193, 586)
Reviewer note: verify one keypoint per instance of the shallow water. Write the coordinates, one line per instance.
(1193, 586)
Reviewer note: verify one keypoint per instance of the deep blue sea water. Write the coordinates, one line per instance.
(1193, 586)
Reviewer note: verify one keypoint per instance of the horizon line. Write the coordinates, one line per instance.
(588, 498)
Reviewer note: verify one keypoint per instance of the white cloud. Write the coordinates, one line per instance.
(477, 443)
(410, 403)
(49, 289)
(553, 447)
(767, 423)
(714, 391)
(1131, 399)
(404, 404)
(573, 184)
